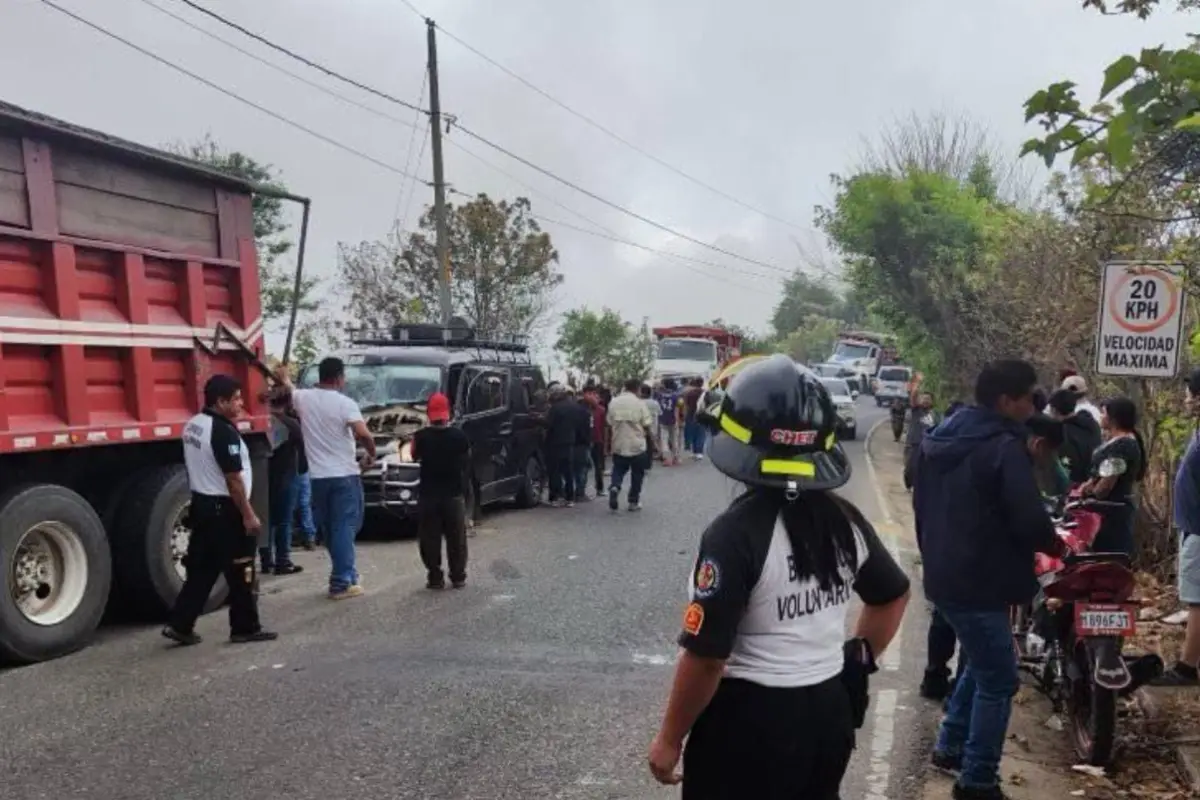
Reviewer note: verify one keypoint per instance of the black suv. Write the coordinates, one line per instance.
(492, 386)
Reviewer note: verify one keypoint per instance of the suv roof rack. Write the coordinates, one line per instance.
(453, 337)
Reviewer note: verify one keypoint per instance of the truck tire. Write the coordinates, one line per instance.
(149, 539)
(54, 554)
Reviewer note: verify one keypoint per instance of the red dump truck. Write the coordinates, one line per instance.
(118, 265)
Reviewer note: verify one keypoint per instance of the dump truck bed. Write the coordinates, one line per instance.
(114, 260)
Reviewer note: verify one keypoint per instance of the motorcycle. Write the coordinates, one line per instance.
(1072, 637)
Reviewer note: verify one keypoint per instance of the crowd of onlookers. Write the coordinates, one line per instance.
(638, 426)
(983, 479)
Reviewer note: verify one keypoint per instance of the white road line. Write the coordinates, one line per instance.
(880, 499)
(882, 740)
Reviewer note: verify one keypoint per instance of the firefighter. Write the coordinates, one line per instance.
(768, 693)
(224, 526)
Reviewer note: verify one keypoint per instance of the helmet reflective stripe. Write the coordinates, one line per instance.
(730, 426)
(779, 466)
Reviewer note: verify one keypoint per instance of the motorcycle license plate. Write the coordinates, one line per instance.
(1093, 619)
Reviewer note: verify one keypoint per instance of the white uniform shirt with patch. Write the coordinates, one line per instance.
(212, 449)
(749, 607)
(325, 419)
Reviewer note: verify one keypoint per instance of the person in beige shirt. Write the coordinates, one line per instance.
(630, 422)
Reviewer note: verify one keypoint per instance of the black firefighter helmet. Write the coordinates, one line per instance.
(777, 427)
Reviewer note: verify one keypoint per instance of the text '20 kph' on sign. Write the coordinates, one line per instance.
(1141, 320)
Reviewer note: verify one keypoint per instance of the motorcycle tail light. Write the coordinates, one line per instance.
(1097, 581)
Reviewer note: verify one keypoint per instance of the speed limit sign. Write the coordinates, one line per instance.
(1141, 319)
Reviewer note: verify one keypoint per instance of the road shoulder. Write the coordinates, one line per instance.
(1036, 763)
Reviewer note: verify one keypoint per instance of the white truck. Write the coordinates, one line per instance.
(685, 352)
(864, 353)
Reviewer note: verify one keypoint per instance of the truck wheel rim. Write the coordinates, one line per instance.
(181, 534)
(49, 573)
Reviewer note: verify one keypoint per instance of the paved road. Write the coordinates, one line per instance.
(544, 678)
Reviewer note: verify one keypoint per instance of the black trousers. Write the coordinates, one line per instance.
(218, 546)
(939, 645)
(598, 465)
(441, 518)
(770, 744)
(560, 464)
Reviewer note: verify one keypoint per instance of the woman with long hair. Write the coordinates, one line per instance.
(1118, 465)
(768, 692)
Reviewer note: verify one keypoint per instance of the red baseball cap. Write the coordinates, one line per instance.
(439, 408)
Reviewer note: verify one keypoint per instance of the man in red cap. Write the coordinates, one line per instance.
(443, 452)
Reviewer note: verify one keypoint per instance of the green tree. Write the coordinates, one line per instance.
(805, 296)
(812, 340)
(502, 266)
(605, 346)
(276, 281)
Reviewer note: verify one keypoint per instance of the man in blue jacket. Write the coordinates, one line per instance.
(979, 521)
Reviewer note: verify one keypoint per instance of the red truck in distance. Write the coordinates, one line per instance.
(116, 262)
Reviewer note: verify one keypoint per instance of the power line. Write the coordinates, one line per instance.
(686, 261)
(313, 84)
(532, 189)
(608, 131)
(412, 187)
(302, 59)
(412, 140)
(273, 114)
(615, 206)
(489, 143)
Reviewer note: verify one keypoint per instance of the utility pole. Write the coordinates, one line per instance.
(439, 183)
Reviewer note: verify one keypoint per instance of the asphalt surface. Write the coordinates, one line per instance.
(544, 678)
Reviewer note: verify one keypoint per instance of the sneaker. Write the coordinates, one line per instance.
(349, 591)
(614, 498)
(435, 585)
(635, 506)
(259, 635)
(459, 584)
(1180, 675)
(935, 685)
(309, 545)
(570, 504)
(288, 569)
(947, 762)
(978, 793)
(180, 638)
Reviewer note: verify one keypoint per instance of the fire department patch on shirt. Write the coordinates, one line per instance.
(693, 619)
(708, 578)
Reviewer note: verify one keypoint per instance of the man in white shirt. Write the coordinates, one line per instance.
(630, 422)
(1078, 385)
(331, 422)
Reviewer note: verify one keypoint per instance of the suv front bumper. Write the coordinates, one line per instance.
(395, 487)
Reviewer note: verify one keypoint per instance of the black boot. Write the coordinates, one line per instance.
(936, 684)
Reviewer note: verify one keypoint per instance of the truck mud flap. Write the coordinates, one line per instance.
(1109, 670)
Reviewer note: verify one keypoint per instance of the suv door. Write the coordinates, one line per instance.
(488, 424)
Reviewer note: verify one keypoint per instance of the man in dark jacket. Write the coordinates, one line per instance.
(921, 420)
(979, 521)
(1081, 434)
(582, 456)
(284, 469)
(562, 422)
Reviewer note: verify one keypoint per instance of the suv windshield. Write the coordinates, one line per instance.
(893, 374)
(680, 350)
(375, 385)
(836, 386)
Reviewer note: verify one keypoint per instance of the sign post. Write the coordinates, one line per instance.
(1141, 319)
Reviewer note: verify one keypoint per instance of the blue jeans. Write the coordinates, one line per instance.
(583, 465)
(976, 721)
(693, 437)
(308, 528)
(338, 510)
(278, 551)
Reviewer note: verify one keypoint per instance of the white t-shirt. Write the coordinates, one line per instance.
(750, 607)
(212, 449)
(325, 419)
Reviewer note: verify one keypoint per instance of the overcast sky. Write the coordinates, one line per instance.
(762, 99)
